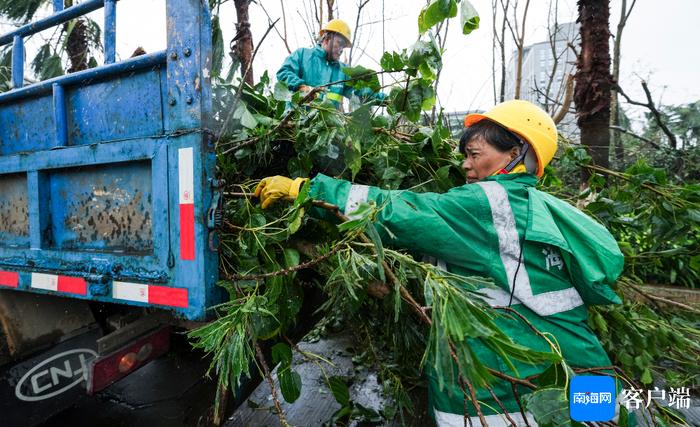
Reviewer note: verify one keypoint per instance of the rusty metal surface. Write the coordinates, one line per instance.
(14, 209)
(103, 209)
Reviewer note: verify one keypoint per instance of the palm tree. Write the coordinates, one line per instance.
(79, 38)
(593, 79)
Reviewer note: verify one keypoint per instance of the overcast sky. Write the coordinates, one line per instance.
(658, 44)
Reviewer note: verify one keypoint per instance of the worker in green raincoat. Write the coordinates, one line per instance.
(320, 65)
(549, 260)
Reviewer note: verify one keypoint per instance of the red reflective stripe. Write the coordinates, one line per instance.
(72, 285)
(164, 295)
(187, 231)
(9, 278)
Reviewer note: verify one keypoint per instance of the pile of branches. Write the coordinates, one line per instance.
(399, 308)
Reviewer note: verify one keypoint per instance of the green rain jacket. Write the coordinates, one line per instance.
(309, 66)
(569, 261)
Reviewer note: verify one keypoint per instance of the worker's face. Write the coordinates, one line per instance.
(482, 159)
(334, 45)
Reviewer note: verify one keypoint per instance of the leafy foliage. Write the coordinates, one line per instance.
(266, 131)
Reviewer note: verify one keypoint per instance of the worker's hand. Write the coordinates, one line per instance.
(304, 89)
(273, 188)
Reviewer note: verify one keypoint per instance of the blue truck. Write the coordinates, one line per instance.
(109, 208)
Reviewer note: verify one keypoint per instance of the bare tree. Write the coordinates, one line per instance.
(360, 6)
(244, 40)
(517, 30)
(616, 140)
(283, 34)
(593, 79)
(330, 4)
(499, 40)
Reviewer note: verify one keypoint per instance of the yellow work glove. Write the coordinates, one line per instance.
(273, 188)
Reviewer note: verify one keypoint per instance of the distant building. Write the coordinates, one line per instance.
(454, 120)
(539, 74)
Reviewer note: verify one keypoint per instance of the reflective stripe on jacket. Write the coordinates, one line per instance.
(485, 229)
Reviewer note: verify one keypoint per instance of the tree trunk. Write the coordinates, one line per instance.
(244, 40)
(593, 79)
(76, 43)
(616, 137)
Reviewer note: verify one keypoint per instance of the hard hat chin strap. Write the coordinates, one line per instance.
(519, 158)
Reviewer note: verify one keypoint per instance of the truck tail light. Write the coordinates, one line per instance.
(107, 369)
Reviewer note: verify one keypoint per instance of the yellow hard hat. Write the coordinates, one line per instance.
(528, 121)
(338, 26)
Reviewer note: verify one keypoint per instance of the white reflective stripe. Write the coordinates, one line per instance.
(544, 304)
(185, 170)
(130, 291)
(446, 419)
(358, 194)
(48, 282)
(497, 297)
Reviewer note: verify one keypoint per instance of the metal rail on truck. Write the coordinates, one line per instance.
(106, 174)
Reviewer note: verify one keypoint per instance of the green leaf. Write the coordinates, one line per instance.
(695, 263)
(340, 390)
(549, 406)
(374, 236)
(217, 41)
(436, 12)
(265, 326)
(425, 54)
(282, 92)
(646, 376)
(282, 354)
(291, 257)
(245, 117)
(468, 17)
(295, 223)
(362, 77)
(290, 385)
(392, 61)
(554, 376)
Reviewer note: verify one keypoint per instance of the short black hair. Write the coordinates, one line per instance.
(496, 135)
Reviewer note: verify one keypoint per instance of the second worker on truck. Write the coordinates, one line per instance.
(320, 65)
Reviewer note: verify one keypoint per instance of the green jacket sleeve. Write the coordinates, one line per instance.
(451, 226)
(290, 71)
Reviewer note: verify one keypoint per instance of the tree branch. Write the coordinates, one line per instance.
(655, 112)
(284, 272)
(639, 137)
(273, 389)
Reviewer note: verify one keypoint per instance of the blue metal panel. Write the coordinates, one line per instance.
(104, 208)
(110, 31)
(14, 211)
(27, 126)
(86, 77)
(189, 64)
(56, 193)
(128, 108)
(59, 115)
(17, 62)
(95, 157)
